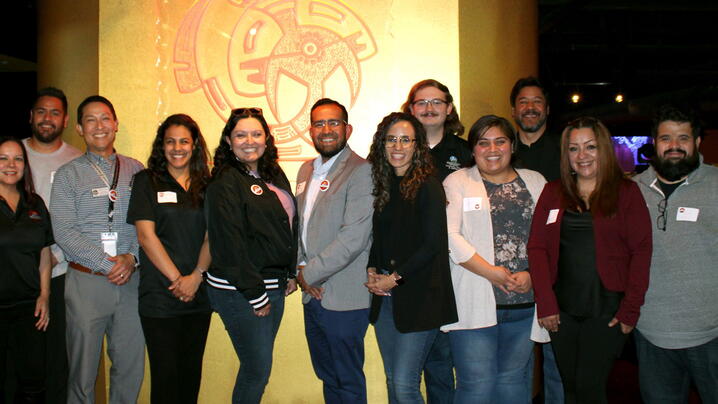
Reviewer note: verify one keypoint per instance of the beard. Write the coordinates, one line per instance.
(43, 135)
(329, 151)
(673, 170)
(541, 121)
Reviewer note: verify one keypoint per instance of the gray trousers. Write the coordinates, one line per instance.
(96, 308)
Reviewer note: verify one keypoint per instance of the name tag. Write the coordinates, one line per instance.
(552, 216)
(97, 192)
(167, 197)
(471, 204)
(52, 176)
(109, 243)
(687, 214)
(300, 187)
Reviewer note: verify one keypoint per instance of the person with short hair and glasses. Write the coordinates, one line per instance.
(432, 104)
(589, 252)
(677, 333)
(408, 268)
(252, 228)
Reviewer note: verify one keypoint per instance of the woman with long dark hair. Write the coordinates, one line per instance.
(166, 208)
(589, 251)
(408, 268)
(25, 239)
(252, 223)
(489, 217)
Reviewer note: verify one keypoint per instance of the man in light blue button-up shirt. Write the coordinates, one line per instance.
(89, 203)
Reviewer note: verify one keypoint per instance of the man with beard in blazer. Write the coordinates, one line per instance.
(335, 207)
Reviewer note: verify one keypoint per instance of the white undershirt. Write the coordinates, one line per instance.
(320, 174)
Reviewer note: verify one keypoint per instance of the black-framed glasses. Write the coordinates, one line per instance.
(247, 111)
(435, 102)
(661, 219)
(404, 140)
(332, 123)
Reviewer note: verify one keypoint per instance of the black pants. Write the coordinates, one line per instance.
(24, 345)
(57, 367)
(585, 351)
(175, 347)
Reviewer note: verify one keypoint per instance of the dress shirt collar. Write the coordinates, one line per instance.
(321, 169)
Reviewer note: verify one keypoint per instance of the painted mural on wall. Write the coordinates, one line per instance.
(274, 54)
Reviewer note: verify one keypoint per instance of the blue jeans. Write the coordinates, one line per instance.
(491, 363)
(552, 385)
(665, 375)
(403, 354)
(439, 372)
(336, 346)
(252, 338)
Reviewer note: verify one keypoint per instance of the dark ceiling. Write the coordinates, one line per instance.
(651, 51)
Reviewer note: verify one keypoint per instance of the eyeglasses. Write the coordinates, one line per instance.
(404, 140)
(332, 123)
(435, 102)
(247, 111)
(661, 219)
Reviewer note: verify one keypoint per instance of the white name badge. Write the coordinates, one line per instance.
(109, 243)
(167, 197)
(552, 216)
(52, 176)
(471, 204)
(687, 214)
(300, 187)
(97, 192)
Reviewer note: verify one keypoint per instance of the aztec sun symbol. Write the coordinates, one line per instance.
(240, 52)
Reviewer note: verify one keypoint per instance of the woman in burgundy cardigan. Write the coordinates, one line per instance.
(589, 254)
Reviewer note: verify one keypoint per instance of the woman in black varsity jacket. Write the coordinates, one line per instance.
(252, 222)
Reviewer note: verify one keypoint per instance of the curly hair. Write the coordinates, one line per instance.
(453, 125)
(267, 165)
(422, 165)
(198, 171)
(25, 186)
(604, 198)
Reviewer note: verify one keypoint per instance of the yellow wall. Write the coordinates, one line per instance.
(498, 43)
(135, 53)
(68, 43)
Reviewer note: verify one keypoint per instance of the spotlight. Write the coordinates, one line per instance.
(575, 98)
(619, 97)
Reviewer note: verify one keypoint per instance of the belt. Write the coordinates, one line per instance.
(82, 268)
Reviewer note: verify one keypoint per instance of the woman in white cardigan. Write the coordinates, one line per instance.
(489, 217)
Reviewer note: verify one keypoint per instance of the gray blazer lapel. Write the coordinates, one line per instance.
(333, 173)
(303, 177)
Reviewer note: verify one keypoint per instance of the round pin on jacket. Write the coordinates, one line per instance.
(256, 189)
(324, 185)
(113, 195)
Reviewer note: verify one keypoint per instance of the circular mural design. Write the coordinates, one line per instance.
(240, 53)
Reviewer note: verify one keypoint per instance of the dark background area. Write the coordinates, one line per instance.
(652, 52)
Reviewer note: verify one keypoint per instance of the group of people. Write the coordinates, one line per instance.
(460, 253)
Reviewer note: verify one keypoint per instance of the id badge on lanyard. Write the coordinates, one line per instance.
(109, 238)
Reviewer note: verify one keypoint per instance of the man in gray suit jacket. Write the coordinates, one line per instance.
(335, 215)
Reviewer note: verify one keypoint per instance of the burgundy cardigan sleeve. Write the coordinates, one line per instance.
(541, 252)
(638, 238)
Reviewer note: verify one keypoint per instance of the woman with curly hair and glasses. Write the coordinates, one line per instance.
(252, 223)
(589, 250)
(408, 268)
(166, 209)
